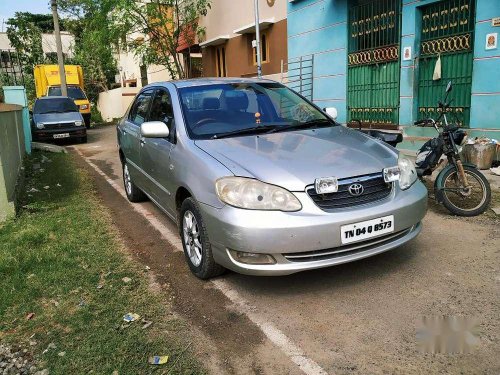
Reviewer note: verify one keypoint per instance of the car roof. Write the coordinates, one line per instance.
(192, 82)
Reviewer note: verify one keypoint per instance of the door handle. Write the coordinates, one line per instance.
(142, 141)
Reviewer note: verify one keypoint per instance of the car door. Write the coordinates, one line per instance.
(155, 153)
(131, 136)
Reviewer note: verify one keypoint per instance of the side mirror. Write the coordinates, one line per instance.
(449, 87)
(154, 129)
(332, 112)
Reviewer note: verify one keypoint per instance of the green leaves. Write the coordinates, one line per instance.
(94, 39)
(165, 24)
(25, 35)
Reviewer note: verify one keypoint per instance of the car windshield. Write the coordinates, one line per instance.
(55, 105)
(74, 92)
(233, 109)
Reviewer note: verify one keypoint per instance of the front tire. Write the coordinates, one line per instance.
(134, 194)
(465, 202)
(197, 247)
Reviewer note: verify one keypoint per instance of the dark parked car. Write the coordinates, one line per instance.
(57, 117)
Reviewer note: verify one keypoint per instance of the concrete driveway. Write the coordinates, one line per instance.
(357, 318)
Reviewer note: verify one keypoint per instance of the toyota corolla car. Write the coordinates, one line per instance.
(263, 182)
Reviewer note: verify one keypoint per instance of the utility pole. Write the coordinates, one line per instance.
(257, 37)
(60, 59)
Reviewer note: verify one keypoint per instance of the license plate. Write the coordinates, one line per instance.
(367, 229)
(62, 135)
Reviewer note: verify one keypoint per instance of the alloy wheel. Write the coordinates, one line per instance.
(127, 179)
(191, 236)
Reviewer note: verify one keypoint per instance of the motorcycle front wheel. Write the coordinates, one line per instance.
(471, 201)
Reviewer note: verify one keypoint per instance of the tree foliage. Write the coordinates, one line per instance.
(24, 31)
(94, 40)
(25, 36)
(163, 24)
(151, 29)
(91, 50)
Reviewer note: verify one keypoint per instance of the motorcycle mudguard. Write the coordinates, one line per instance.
(438, 184)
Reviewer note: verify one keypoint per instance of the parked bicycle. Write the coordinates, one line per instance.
(460, 186)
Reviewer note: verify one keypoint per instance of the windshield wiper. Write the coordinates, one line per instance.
(303, 125)
(253, 129)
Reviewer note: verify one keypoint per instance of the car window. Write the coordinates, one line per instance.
(210, 110)
(74, 92)
(54, 105)
(140, 108)
(161, 108)
(193, 100)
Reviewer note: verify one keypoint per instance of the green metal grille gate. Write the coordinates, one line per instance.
(447, 31)
(373, 63)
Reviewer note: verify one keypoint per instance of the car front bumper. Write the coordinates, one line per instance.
(48, 134)
(309, 238)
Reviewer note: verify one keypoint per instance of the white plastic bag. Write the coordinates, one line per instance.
(437, 70)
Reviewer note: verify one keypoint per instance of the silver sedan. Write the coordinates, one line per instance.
(263, 182)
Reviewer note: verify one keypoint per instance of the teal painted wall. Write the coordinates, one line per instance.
(319, 27)
(17, 95)
(485, 111)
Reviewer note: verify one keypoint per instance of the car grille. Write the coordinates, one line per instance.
(346, 250)
(60, 125)
(374, 189)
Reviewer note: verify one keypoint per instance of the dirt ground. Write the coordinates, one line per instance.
(357, 318)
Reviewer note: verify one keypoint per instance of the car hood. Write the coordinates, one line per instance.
(57, 117)
(295, 159)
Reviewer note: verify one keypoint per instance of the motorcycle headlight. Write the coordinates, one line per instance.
(407, 172)
(40, 125)
(78, 123)
(255, 195)
(84, 106)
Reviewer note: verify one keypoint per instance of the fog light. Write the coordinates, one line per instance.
(326, 185)
(252, 258)
(391, 174)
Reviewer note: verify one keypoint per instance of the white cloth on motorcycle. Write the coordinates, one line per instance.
(428, 156)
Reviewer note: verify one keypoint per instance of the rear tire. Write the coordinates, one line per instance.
(197, 247)
(134, 194)
(456, 202)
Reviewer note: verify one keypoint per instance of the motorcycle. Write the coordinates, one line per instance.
(460, 186)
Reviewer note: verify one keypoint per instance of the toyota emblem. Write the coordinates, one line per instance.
(356, 189)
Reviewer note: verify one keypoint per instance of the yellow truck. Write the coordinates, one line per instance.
(48, 83)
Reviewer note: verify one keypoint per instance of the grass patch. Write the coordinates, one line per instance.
(60, 260)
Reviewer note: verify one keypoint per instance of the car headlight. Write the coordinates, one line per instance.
(84, 106)
(407, 172)
(78, 123)
(40, 125)
(255, 195)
